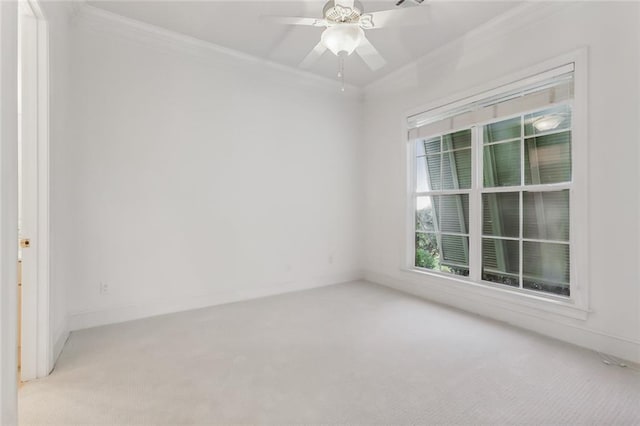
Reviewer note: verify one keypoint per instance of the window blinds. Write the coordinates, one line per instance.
(549, 88)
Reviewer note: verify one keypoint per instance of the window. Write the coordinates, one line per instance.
(492, 187)
(443, 170)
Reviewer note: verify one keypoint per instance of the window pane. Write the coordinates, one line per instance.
(501, 164)
(547, 159)
(546, 215)
(456, 170)
(457, 140)
(434, 178)
(454, 213)
(428, 173)
(502, 130)
(548, 120)
(455, 251)
(443, 213)
(546, 267)
(427, 254)
(501, 214)
(430, 146)
(422, 184)
(501, 261)
(455, 248)
(424, 214)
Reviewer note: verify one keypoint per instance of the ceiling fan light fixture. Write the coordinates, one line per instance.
(342, 38)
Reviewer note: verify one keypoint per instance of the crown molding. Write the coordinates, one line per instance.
(74, 6)
(494, 29)
(92, 18)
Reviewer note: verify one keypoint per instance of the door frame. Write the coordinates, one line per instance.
(8, 212)
(37, 356)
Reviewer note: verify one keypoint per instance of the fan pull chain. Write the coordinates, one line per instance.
(341, 70)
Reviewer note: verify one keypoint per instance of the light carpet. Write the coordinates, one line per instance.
(349, 353)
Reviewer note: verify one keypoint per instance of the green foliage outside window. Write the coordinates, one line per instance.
(427, 251)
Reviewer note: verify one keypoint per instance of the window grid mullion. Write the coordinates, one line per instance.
(521, 201)
(413, 185)
(436, 222)
(529, 188)
(435, 193)
(526, 240)
(456, 234)
(454, 150)
(475, 202)
(505, 141)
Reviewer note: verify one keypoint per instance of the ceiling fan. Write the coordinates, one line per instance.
(345, 23)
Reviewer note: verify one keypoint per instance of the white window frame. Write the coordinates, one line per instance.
(577, 304)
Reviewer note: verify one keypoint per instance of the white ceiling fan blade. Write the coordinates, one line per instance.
(313, 56)
(370, 55)
(344, 3)
(406, 17)
(294, 20)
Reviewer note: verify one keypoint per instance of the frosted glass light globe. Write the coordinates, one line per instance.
(342, 38)
(548, 122)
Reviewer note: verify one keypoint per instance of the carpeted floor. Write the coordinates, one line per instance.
(350, 353)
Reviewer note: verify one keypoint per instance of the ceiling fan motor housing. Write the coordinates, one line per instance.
(342, 15)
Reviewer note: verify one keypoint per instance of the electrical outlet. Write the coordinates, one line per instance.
(104, 288)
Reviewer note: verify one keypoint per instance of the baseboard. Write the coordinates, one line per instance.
(548, 325)
(99, 317)
(60, 338)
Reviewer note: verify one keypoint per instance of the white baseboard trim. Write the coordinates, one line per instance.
(556, 327)
(60, 338)
(95, 318)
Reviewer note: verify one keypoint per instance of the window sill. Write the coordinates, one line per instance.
(512, 299)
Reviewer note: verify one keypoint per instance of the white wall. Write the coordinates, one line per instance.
(610, 32)
(193, 177)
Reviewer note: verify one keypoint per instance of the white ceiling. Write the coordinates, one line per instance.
(237, 25)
